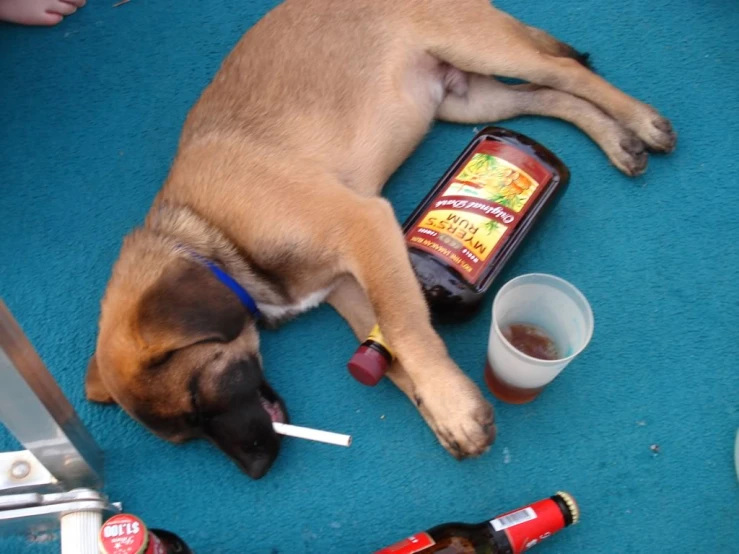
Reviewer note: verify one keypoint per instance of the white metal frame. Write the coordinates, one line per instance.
(55, 483)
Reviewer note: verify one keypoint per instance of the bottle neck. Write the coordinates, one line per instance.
(517, 531)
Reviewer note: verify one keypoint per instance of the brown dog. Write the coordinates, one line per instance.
(277, 182)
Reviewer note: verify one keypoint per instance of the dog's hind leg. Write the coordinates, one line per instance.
(547, 43)
(474, 37)
(487, 100)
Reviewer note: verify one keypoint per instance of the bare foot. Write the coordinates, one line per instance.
(37, 12)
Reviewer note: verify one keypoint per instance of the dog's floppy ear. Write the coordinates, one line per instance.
(94, 387)
(188, 304)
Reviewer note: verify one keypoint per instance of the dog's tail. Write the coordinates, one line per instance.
(547, 43)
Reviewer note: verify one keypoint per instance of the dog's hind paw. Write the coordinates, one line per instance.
(631, 156)
(656, 131)
(663, 137)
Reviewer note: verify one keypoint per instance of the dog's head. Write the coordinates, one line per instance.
(179, 352)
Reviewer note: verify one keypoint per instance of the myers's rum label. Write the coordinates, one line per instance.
(472, 217)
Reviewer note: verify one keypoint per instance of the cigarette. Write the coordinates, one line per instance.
(311, 434)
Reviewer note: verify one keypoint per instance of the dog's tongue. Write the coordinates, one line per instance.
(274, 410)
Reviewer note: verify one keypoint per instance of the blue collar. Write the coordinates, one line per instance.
(245, 298)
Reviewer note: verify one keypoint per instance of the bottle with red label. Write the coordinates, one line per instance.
(127, 534)
(510, 533)
(468, 227)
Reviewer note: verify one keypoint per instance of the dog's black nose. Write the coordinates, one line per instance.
(256, 465)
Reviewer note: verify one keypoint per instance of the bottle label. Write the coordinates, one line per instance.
(411, 545)
(530, 525)
(471, 219)
(156, 546)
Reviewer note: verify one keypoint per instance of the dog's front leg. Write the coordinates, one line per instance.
(374, 252)
(351, 302)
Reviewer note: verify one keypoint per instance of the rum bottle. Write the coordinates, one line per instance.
(468, 227)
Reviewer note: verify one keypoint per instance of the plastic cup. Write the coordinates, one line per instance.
(553, 306)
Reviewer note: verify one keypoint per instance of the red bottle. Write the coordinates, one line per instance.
(510, 533)
(468, 227)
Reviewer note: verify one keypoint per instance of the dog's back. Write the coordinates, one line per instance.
(335, 85)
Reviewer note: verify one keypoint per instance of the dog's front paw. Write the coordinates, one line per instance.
(460, 416)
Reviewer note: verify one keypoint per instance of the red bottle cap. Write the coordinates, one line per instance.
(123, 534)
(368, 366)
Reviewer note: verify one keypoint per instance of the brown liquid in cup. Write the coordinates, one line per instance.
(532, 341)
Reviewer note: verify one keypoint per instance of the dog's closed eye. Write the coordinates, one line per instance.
(161, 359)
(194, 418)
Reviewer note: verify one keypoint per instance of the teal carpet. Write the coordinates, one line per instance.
(90, 116)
